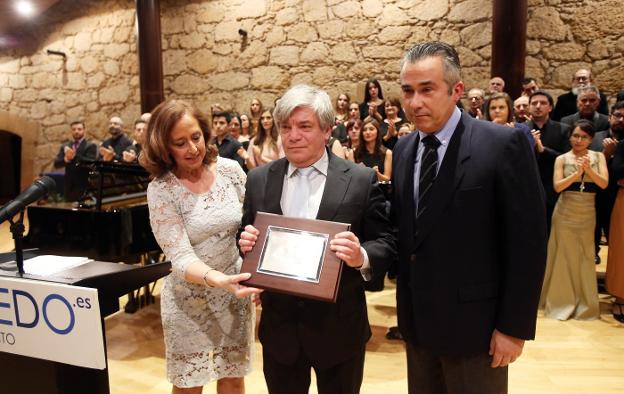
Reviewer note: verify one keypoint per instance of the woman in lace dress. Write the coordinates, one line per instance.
(195, 203)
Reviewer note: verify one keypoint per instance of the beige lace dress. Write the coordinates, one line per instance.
(208, 332)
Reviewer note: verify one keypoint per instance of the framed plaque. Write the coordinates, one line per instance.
(292, 256)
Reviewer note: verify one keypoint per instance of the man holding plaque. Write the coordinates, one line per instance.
(469, 209)
(298, 333)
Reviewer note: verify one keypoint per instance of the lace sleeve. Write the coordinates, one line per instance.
(168, 226)
(239, 178)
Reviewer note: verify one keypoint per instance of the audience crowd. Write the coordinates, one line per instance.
(577, 142)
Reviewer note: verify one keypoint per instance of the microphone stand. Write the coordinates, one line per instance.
(17, 229)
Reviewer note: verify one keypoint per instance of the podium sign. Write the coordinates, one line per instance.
(51, 321)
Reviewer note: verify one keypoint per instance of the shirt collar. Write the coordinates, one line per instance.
(321, 165)
(446, 132)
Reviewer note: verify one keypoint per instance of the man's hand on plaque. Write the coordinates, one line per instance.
(248, 238)
(347, 247)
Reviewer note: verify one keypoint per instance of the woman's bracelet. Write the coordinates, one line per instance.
(206, 274)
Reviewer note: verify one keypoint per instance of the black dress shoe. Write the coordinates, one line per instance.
(394, 333)
(618, 312)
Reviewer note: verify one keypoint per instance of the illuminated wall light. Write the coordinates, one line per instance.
(24, 8)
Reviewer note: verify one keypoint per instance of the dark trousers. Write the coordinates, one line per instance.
(343, 378)
(605, 199)
(430, 374)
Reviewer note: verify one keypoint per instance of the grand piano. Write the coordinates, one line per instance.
(109, 222)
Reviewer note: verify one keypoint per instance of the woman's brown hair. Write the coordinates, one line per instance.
(262, 134)
(378, 150)
(499, 96)
(155, 156)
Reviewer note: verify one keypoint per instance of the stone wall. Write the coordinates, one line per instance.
(334, 44)
(565, 35)
(98, 78)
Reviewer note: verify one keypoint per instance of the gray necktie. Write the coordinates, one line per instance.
(301, 192)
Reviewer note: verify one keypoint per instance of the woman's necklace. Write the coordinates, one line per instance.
(582, 187)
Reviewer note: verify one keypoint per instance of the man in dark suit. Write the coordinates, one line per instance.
(299, 334)
(132, 152)
(112, 148)
(606, 142)
(566, 103)
(78, 149)
(587, 103)
(551, 140)
(70, 154)
(469, 209)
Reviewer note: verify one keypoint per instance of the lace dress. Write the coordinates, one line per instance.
(208, 332)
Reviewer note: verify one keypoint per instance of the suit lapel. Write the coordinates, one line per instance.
(336, 186)
(274, 186)
(448, 178)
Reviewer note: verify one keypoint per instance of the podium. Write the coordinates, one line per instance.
(21, 374)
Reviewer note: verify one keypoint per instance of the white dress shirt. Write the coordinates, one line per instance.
(317, 180)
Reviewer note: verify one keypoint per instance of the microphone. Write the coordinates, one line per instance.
(38, 189)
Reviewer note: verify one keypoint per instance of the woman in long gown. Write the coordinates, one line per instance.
(195, 203)
(570, 289)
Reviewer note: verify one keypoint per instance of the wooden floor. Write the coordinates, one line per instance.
(567, 357)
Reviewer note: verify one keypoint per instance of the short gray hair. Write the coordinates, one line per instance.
(305, 96)
(481, 92)
(448, 54)
(588, 89)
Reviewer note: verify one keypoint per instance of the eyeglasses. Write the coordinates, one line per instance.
(618, 115)
(579, 137)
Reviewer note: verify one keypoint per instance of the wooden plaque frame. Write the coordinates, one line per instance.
(325, 288)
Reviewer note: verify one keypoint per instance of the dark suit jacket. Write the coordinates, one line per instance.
(76, 178)
(327, 333)
(556, 141)
(475, 260)
(85, 151)
(118, 144)
(600, 121)
(566, 105)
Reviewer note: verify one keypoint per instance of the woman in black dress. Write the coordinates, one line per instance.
(373, 101)
(371, 152)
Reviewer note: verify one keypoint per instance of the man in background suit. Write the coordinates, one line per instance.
(71, 153)
(469, 209)
(567, 102)
(298, 334)
(551, 140)
(606, 141)
(587, 103)
(78, 149)
(112, 148)
(132, 152)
